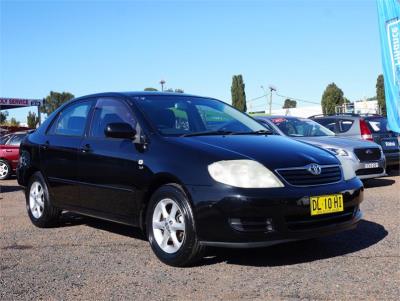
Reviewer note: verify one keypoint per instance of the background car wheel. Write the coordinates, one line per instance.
(5, 170)
(38, 205)
(171, 227)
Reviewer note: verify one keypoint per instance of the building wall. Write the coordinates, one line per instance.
(299, 112)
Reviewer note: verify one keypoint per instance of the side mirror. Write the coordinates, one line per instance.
(120, 130)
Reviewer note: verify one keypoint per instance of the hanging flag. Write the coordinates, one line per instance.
(389, 27)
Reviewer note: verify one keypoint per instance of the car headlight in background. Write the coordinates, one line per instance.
(338, 151)
(347, 167)
(243, 174)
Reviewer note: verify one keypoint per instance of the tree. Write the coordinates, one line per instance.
(179, 91)
(3, 117)
(14, 122)
(238, 93)
(380, 93)
(289, 104)
(332, 97)
(150, 89)
(32, 120)
(54, 100)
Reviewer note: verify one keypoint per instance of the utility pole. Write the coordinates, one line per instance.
(162, 82)
(271, 89)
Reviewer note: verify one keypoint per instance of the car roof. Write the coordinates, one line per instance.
(269, 117)
(139, 93)
(348, 116)
(351, 117)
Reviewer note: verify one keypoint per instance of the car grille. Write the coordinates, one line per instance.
(368, 154)
(369, 171)
(302, 177)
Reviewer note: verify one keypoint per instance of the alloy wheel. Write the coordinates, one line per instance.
(3, 169)
(168, 225)
(36, 199)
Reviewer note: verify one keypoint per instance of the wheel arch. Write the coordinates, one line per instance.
(158, 181)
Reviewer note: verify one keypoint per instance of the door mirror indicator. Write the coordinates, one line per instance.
(120, 130)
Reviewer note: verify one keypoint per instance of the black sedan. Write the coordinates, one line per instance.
(190, 171)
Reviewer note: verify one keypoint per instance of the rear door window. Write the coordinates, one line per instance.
(72, 120)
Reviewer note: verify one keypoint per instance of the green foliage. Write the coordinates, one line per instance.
(150, 89)
(289, 104)
(380, 93)
(3, 117)
(54, 100)
(14, 122)
(238, 93)
(332, 97)
(32, 120)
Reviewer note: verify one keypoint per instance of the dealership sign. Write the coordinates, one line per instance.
(20, 102)
(389, 25)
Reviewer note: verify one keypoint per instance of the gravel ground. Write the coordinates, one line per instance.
(89, 259)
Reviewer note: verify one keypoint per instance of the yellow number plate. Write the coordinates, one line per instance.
(324, 204)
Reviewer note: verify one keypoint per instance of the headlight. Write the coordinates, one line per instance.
(338, 151)
(347, 167)
(244, 174)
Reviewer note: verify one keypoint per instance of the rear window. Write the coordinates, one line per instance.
(329, 123)
(345, 125)
(377, 125)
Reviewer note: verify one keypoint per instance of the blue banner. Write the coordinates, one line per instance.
(389, 27)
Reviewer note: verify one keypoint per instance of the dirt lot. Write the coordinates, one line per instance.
(87, 259)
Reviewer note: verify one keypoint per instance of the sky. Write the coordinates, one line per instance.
(85, 47)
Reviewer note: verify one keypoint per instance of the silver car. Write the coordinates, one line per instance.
(367, 157)
(367, 127)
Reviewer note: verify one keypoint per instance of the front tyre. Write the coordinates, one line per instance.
(171, 227)
(38, 205)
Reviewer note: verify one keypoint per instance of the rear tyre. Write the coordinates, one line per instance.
(171, 227)
(5, 170)
(40, 210)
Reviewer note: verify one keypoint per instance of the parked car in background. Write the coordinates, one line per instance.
(9, 153)
(366, 127)
(367, 158)
(190, 171)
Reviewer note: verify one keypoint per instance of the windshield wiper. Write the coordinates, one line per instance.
(259, 132)
(207, 133)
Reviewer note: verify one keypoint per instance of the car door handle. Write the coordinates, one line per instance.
(45, 145)
(86, 148)
(8, 150)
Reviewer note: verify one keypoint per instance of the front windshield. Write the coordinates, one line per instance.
(185, 115)
(301, 127)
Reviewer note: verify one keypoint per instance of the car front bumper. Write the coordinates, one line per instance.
(369, 169)
(392, 158)
(243, 218)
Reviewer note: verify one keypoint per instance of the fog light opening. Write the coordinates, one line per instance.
(269, 225)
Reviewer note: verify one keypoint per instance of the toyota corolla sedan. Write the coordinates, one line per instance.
(367, 157)
(190, 171)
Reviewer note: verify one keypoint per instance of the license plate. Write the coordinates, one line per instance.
(371, 165)
(324, 204)
(390, 143)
